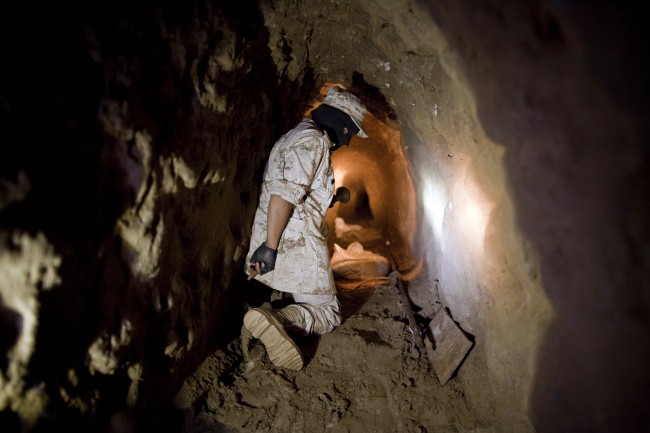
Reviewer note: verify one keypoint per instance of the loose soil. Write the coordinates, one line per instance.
(368, 375)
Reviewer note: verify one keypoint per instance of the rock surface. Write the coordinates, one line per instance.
(135, 138)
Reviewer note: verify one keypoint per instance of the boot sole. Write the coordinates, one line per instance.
(282, 350)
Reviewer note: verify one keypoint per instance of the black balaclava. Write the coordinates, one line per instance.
(333, 121)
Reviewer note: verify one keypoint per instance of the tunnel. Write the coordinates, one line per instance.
(503, 189)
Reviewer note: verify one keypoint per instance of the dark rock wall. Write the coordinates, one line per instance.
(135, 136)
(561, 85)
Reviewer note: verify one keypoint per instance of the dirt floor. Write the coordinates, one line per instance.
(368, 375)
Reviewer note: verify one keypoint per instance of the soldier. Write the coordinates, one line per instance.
(288, 250)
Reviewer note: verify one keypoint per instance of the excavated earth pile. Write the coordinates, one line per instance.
(367, 375)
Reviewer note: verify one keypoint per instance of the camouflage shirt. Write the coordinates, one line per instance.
(299, 170)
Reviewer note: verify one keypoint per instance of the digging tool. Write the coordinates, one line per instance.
(395, 277)
(447, 345)
(444, 343)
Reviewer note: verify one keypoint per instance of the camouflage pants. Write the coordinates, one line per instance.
(312, 314)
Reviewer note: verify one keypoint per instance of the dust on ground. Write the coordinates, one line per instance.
(368, 375)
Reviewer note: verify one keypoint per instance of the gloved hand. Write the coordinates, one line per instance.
(266, 256)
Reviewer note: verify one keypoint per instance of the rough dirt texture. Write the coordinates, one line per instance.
(138, 135)
(368, 375)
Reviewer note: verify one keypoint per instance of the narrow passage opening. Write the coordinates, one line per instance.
(375, 229)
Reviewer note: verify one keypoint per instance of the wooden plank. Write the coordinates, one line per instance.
(447, 345)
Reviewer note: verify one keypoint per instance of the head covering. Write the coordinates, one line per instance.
(349, 104)
(339, 125)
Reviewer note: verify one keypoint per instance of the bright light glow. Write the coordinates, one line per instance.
(459, 207)
(471, 211)
(340, 174)
(434, 198)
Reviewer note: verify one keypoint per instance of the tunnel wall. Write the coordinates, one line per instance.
(550, 86)
(476, 262)
(143, 130)
(139, 135)
(511, 114)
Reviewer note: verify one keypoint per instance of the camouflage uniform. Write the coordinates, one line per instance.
(299, 170)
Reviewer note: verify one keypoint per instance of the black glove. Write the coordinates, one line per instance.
(265, 255)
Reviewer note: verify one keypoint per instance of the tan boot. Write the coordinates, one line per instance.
(267, 326)
(293, 319)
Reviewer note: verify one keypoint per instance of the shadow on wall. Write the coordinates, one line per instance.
(574, 76)
(592, 373)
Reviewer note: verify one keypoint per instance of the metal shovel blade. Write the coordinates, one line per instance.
(449, 345)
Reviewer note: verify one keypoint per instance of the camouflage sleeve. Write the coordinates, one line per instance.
(299, 164)
(289, 191)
